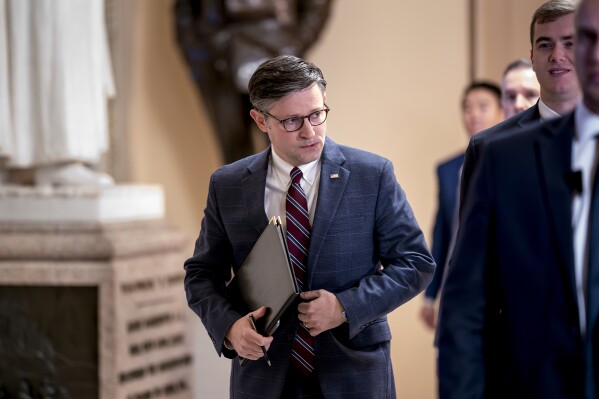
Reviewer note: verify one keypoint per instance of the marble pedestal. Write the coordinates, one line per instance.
(113, 283)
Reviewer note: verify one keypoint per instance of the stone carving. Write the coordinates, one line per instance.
(55, 80)
(224, 41)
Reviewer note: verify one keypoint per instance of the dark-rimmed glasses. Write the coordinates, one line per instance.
(295, 123)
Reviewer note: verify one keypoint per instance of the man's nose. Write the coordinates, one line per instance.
(557, 54)
(521, 103)
(307, 130)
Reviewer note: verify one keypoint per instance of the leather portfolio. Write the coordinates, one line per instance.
(265, 278)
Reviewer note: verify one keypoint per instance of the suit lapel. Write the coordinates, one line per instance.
(554, 147)
(530, 115)
(253, 190)
(333, 180)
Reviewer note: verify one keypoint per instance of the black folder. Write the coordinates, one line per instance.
(265, 278)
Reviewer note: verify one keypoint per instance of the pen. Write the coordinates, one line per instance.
(263, 348)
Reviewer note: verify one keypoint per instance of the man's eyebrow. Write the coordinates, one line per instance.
(543, 39)
(548, 39)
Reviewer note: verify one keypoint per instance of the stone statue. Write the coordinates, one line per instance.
(55, 80)
(224, 41)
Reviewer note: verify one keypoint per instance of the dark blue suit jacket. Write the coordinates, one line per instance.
(366, 247)
(477, 142)
(448, 179)
(509, 324)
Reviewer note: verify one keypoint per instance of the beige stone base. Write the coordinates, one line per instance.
(144, 346)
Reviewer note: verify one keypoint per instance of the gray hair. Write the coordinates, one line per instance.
(280, 76)
(520, 63)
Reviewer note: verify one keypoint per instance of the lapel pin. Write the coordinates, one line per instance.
(334, 175)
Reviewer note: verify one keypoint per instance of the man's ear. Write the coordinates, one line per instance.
(259, 118)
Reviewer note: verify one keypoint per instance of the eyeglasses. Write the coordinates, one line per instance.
(295, 123)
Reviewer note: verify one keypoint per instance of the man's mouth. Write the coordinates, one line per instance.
(558, 71)
(310, 144)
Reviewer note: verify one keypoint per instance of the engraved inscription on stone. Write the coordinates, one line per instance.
(102, 316)
(155, 328)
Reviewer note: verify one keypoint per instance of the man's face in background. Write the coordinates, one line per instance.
(520, 90)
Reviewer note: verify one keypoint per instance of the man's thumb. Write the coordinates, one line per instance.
(259, 312)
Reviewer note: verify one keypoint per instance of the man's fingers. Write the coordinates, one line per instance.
(309, 295)
(251, 345)
(252, 354)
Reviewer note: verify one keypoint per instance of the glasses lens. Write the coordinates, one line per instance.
(293, 124)
(318, 117)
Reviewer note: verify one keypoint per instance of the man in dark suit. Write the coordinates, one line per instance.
(514, 322)
(364, 256)
(551, 40)
(481, 108)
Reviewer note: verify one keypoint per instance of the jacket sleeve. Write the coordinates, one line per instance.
(470, 160)
(406, 264)
(462, 335)
(441, 238)
(207, 272)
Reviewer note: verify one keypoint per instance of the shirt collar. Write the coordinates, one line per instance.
(284, 168)
(586, 122)
(546, 112)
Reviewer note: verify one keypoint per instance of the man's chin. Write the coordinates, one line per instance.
(310, 154)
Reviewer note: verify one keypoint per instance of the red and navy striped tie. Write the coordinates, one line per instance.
(298, 241)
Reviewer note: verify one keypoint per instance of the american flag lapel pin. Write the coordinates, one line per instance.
(334, 175)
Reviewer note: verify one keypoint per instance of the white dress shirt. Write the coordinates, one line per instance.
(546, 112)
(583, 155)
(278, 180)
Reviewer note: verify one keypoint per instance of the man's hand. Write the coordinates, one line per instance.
(427, 314)
(244, 340)
(321, 311)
